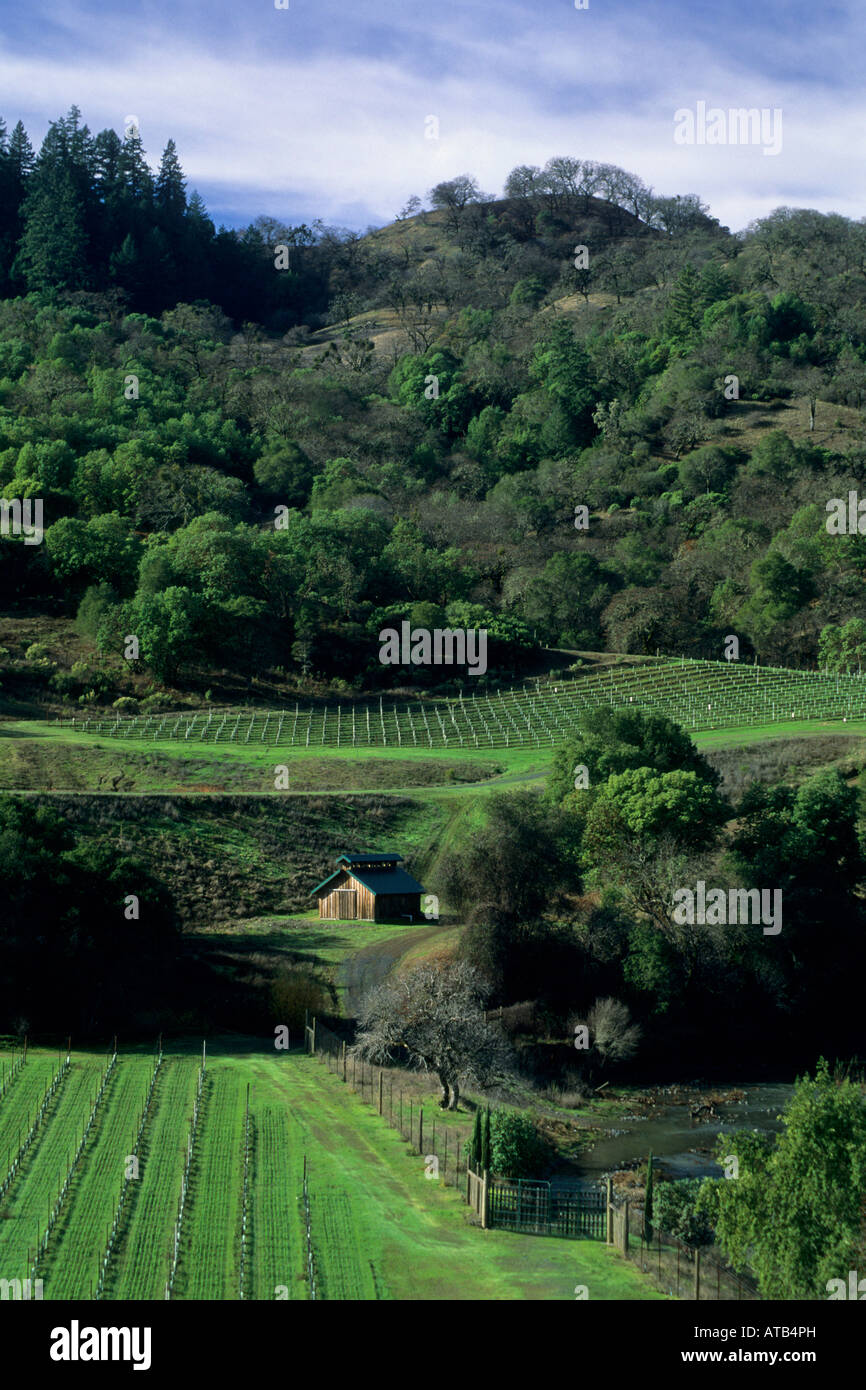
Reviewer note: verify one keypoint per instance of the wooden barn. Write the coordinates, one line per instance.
(369, 888)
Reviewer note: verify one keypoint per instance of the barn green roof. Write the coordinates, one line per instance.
(378, 872)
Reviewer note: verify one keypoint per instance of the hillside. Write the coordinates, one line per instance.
(578, 417)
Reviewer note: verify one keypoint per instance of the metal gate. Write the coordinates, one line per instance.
(540, 1208)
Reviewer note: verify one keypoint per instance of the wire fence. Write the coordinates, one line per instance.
(677, 1269)
(439, 1144)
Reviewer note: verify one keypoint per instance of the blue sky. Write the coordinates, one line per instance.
(319, 109)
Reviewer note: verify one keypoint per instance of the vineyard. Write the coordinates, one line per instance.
(136, 1176)
(700, 695)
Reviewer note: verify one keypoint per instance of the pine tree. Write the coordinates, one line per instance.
(485, 1143)
(475, 1143)
(127, 268)
(106, 161)
(685, 305)
(170, 187)
(53, 248)
(648, 1202)
(16, 165)
(134, 173)
(21, 156)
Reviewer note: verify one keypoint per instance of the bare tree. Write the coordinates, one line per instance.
(455, 194)
(435, 1015)
(412, 206)
(613, 1034)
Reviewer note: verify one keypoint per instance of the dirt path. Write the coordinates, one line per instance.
(367, 969)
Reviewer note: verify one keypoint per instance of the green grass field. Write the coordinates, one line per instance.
(380, 1229)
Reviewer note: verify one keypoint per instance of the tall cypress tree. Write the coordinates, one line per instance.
(648, 1202)
(475, 1143)
(485, 1142)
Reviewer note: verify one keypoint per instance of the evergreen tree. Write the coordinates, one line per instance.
(128, 269)
(170, 188)
(53, 248)
(21, 156)
(135, 194)
(133, 169)
(107, 149)
(485, 1142)
(648, 1202)
(685, 306)
(475, 1143)
(16, 165)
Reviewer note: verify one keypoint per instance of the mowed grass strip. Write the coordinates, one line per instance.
(209, 1264)
(278, 1239)
(412, 1235)
(342, 1271)
(34, 1191)
(74, 1254)
(142, 1257)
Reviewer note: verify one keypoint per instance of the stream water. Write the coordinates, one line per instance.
(683, 1145)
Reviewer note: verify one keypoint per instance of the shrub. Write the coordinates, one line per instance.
(517, 1150)
(37, 651)
(674, 1211)
(295, 990)
(126, 704)
(63, 683)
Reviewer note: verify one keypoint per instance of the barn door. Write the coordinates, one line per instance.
(347, 903)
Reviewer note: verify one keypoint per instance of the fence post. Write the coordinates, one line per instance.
(698, 1272)
(608, 1215)
(484, 1209)
(380, 1091)
(420, 1129)
(625, 1229)
(344, 1059)
(313, 1047)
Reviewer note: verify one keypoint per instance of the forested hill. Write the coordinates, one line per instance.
(255, 448)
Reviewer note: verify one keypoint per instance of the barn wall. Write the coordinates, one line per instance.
(392, 906)
(329, 902)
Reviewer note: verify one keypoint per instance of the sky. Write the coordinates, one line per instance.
(322, 108)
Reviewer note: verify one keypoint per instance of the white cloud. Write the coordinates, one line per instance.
(271, 125)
